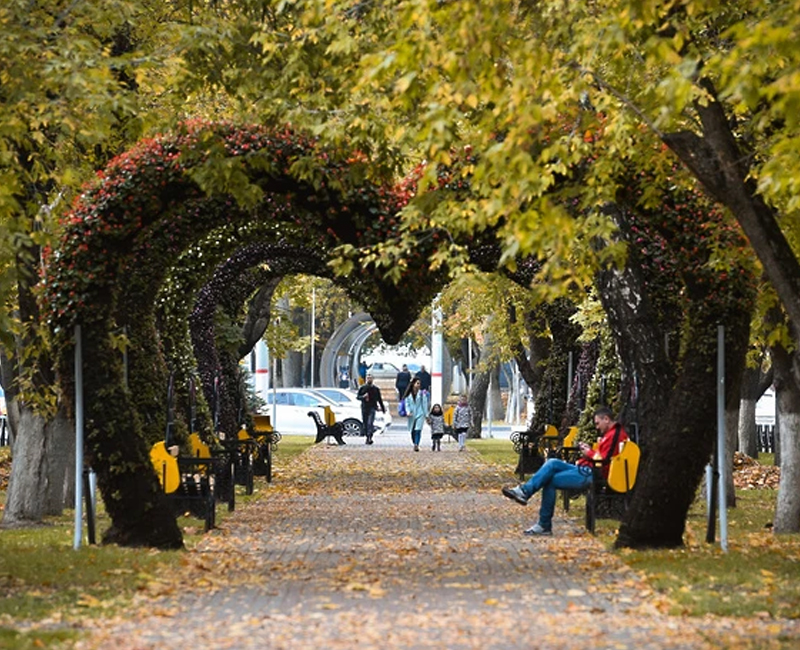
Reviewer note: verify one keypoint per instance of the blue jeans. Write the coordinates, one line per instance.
(368, 418)
(554, 475)
(416, 436)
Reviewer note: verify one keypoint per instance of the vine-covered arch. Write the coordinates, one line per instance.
(152, 203)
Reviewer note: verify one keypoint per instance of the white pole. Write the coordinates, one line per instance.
(274, 422)
(569, 376)
(489, 405)
(723, 469)
(313, 326)
(262, 370)
(76, 544)
(469, 369)
(436, 355)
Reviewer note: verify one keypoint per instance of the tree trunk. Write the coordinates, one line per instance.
(292, 369)
(43, 463)
(132, 494)
(530, 361)
(498, 411)
(676, 403)
(787, 398)
(747, 432)
(477, 402)
(731, 437)
(718, 162)
(552, 392)
(639, 340)
(678, 450)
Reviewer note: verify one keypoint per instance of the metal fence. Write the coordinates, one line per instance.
(765, 436)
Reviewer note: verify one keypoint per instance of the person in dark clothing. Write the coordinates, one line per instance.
(402, 381)
(424, 379)
(370, 396)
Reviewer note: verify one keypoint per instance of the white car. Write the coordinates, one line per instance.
(383, 370)
(289, 408)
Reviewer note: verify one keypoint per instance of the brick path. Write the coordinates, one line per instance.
(381, 547)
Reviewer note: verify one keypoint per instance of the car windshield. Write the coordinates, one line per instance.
(338, 396)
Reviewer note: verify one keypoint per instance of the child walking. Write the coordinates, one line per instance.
(461, 421)
(436, 422)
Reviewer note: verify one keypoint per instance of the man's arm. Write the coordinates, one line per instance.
(380, 400)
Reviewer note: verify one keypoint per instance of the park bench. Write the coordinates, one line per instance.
(534, 447)
(449, 415)
(329, 428)
(266, 439)
(245, 456)
(188, 481)
(193, 482)
(609, 497)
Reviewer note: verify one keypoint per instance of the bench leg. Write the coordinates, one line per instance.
(591, 512)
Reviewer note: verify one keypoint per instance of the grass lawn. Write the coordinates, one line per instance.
(43, 579)
(758, 576)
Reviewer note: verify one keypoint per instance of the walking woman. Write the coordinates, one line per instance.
(416, 403)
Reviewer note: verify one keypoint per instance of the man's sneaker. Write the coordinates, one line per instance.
(536, 529)
(516, 494)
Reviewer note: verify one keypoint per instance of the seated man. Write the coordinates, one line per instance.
(557, 474)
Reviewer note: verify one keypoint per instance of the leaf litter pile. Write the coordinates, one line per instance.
(379, 547)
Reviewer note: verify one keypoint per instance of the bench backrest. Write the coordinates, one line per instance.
(166, 466)
(330, 416)
(198, 447)
(571, 438)
(262, 423)
(449, 414)
(623, 467)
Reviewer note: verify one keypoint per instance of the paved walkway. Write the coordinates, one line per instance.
(380, 547)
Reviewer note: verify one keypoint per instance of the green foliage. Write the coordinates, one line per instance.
(477, 305)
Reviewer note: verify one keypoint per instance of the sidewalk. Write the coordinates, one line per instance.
(382, 547)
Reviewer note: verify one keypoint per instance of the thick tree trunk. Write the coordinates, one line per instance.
(139, 511)
(552, 391)
(43, 464)
(731, 438)
(747, 439)
(678, 450)
(640, 346)
(292, 369)
(498, 411)
(676, 404)
(787, 396)
(477, 402)
(531, 361)
(747, 432)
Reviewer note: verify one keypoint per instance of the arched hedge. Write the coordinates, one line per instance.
(149, 205)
